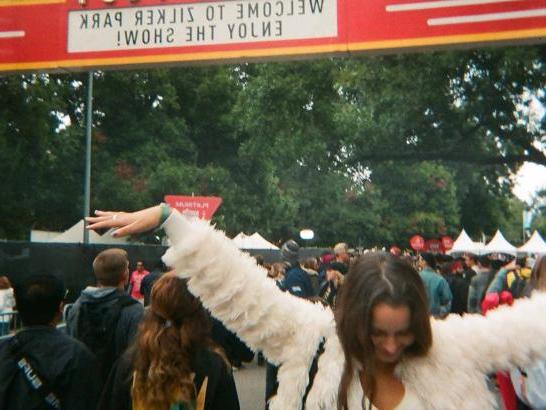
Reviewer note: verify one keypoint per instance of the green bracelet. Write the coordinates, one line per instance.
(165, 213)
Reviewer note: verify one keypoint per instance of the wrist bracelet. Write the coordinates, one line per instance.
(165, 213)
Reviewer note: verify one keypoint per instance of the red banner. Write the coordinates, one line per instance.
(56, 35)
(202, 207)
(434, 246)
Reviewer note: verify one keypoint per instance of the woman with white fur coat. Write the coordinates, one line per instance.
(384, 353)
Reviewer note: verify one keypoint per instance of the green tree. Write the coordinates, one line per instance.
(40, 161)
(368, 150)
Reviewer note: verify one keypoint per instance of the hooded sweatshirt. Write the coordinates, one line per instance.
(65, 364)
(128, 322)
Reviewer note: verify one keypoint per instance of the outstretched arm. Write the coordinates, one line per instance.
(497, 284)
(228, 282)
(507, 337)
(287, 329)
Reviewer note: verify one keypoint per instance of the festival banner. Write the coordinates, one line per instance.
(59, 35)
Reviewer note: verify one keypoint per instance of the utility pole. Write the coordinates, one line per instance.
(87, 178)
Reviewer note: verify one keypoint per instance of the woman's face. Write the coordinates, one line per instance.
(391, 333)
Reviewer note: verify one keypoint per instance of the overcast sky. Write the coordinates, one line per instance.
(530, 179)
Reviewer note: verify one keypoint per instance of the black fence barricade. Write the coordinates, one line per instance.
(73, 261)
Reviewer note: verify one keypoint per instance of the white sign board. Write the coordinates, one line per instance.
(193, 24)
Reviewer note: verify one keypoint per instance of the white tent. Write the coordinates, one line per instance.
(242, 240)
(499, 245)
(254, 241)
(261, 242)
(74, 234)
(463, 244)
(37, 235)
(535, 244)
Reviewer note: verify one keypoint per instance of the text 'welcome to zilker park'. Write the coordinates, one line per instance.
(200, 23)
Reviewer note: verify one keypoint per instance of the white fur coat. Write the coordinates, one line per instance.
(288, 330)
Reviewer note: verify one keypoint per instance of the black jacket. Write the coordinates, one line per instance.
(127, 326)
(221, 393)
(66, 365)
(147, 284)
(459, 289)
(236, 350)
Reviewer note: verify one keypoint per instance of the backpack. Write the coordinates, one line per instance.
(97, 324)
(517, 285)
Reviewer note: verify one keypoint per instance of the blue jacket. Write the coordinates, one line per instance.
(438, 292)
(297, 282)
(497, 284)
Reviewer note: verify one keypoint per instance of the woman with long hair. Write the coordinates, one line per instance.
(173, 364)
(382, 315)
(381, 351)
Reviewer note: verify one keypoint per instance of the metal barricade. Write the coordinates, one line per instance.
(9, 323)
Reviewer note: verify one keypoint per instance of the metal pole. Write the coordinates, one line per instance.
(523, 225)
(88, 128)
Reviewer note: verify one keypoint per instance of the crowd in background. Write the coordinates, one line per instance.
(125, 325)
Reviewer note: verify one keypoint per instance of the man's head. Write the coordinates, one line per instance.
(484, 262)
(457, 266)
(341, 250)
(290, 251)
(140, 266)
(470, 260)
(4, 282)
(39, 299)
(111, 267)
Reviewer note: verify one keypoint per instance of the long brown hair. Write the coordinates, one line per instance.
(174, 328)
(377, 278)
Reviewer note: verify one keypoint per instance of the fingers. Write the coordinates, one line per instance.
(130, 229)
(104, 219)
(93, 223)
(106, 213)
(96, 219)
(128, 222)
(124, 231)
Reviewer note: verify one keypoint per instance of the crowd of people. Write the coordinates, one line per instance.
(454, 284)
(342, 331)
(113, 353)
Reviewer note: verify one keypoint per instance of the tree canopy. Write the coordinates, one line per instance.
(368, 150)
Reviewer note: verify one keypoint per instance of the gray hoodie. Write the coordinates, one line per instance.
(128, 322)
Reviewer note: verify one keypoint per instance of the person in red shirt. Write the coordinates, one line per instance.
(136, 280)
